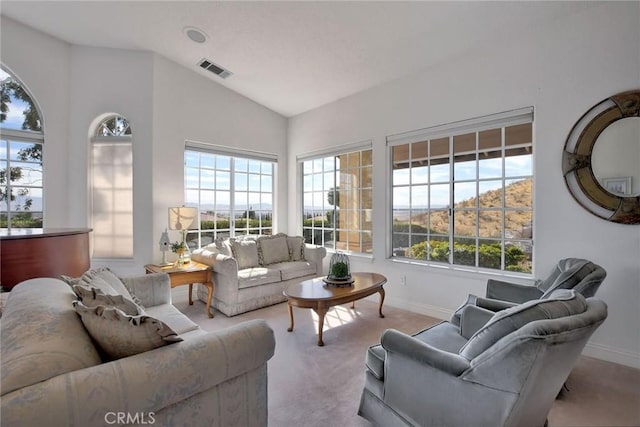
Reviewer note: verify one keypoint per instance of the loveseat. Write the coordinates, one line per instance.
(54, 373)
(251, 272)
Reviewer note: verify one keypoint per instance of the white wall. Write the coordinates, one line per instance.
(49, 87)
(165, 104)
(562, 70)
(188, 106)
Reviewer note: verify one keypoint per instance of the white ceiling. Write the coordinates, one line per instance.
(293, 56)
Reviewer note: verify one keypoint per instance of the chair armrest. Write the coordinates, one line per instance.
(144, 383)
(494, 304)
(398, 342)
(150, 289)
(514, 292)
(473, 318)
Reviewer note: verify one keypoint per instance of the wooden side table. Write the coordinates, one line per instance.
(188, 274)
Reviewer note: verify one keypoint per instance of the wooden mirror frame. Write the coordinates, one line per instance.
(576, 160)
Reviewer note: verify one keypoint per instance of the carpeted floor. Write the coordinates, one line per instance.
(320, 386)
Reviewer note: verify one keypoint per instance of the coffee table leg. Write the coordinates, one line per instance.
(190, 292)
(209, 286)
(321, 312)
(353, 305)
(290, 318)
(381, 292)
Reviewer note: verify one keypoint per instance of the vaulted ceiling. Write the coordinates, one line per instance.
(294, 56)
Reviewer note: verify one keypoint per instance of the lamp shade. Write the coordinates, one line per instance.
(183, 218)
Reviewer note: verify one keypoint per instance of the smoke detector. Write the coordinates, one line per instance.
(195, 34)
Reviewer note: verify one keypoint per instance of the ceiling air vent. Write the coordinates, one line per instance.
(215, 69)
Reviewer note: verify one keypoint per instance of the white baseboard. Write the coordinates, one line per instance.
(612, 354)
(598, 351)
(426, 309)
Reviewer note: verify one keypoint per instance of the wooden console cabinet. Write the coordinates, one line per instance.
(29, 253)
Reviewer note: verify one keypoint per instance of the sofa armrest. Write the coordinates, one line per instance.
(150, 289)
(145, 383)
(398, 342)
(315, 254)
(222, 264)
(514, 292)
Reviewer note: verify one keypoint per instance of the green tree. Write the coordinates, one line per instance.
(10, 90)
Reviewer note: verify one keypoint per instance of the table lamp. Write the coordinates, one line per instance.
(183, 219)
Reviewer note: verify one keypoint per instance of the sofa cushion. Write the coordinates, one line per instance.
(245, 251)
(561, 303)
(93, 297)
(294, 269)
(273, 249)
(250, 277)
(120, 335)
(172, 317)
(41, 334)
(296, 248)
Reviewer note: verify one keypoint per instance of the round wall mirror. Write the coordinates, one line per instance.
(601, 159)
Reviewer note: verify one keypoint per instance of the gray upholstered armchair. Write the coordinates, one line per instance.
(572, 273)
(505, 371)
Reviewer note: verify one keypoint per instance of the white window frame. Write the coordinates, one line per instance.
(450, 131)
(360, 216)
(200, 236)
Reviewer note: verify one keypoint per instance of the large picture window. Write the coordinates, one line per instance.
(21, 143)
(233, 191)
(463, 193)
(337, 200)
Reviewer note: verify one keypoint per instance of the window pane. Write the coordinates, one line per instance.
(464, 194)
(439, 196)
(518, 224)
(519, 193)
(401, 176)
(419, 175)
(464, 223)
(464, 252)
(490, 165)
(517, 162)
(207, 179)
(519, 134)
(490, 194)
(490, 255)
(490, 223)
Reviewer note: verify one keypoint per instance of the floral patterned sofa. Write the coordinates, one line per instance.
(56, 372)
(250, 272)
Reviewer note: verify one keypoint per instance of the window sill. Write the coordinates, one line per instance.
(465, 271)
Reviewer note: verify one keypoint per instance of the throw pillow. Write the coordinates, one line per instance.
(245, 252)
(296, 248)
(273, 249)
(120, 335)
(93, 297)
(105, 280)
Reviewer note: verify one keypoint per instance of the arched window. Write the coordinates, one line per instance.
(21, 139)
(112, 188)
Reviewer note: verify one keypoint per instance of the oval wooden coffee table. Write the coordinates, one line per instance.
(318, 296)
